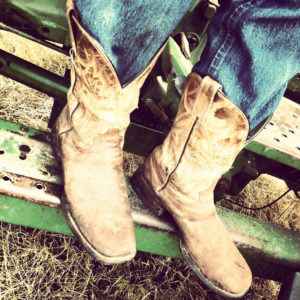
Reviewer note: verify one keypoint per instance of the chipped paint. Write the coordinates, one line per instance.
(38, 163)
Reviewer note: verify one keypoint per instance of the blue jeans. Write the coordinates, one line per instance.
(253, 46)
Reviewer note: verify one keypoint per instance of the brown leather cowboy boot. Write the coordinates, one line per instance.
(88, 138)
(181, 174)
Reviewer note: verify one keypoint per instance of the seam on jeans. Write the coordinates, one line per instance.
(228, 42)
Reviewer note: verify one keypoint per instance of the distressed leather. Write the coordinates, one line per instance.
(101, 102)
(89, 139)
(208, 133)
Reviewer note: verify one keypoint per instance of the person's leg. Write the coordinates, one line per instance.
(88, 138)
(130, 32)
(89, 134)
(253, 50)
(213, 129)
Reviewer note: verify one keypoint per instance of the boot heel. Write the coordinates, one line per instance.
(145, 192)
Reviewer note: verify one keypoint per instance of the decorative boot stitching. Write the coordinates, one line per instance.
(181, 155)
(70, 129)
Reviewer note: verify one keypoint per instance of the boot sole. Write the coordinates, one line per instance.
(146, 193)
(106, 260)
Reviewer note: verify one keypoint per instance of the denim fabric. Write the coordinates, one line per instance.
(131, 31)
(253, 50)
(253, 46)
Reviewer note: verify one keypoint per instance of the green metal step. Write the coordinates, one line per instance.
(31, 185)
(280, 138)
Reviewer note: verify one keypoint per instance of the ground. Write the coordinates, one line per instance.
(35, 264)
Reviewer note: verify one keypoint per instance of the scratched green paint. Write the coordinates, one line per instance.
(277, 248)
(273, 154)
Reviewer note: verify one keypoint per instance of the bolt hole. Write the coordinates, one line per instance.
(271, 123)
(295, 116)
(291, 131)
(45, 173)
(1, 151)
(6, 178)
(24, 149)
(284, 135)
(298, 77)
(276, 139)
(22, 156)
(298, 148)
(39, 186)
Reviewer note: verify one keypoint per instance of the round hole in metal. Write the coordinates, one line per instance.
(277, 140)
(24, 149)
(22, 156)
(39, 186)
(271, 123)
(2, 152)
(6, 178)
(291, 131)
(284, 135)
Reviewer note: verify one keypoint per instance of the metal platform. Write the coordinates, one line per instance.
(280, 138)
(31, 185)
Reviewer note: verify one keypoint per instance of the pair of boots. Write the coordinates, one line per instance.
(179, 176)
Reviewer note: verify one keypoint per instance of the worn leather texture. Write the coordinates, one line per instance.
(101, 102)
(90, 133)
(208, 133)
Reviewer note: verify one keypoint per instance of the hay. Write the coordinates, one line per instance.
(40, 265)
(20, 103)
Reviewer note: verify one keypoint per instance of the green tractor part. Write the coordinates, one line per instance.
(31, 187)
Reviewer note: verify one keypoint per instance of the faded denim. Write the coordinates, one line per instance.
(253, 46)
(253, 50)
(131, 31)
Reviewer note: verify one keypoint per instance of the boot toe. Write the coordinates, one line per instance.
(111, 244)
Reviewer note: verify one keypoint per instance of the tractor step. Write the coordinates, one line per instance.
(31, 185)
(280, 138)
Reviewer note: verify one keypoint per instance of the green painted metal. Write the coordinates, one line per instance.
(21, 212)
(52, 46)
(272, 252)
(33, 215)
(21, 129)
(39, 163)
(33, 76)
(173, 57)
(41, 18)
(273, 154)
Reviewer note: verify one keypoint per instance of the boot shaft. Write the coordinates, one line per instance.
(207, 134)
(97, 101)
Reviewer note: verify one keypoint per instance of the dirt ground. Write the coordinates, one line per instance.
(40, 265)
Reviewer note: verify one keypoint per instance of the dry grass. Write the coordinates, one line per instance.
(285, 213)
(20, 103)
(39, 265)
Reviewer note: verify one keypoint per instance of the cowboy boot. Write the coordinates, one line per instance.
(180, 176)
(88, 138)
